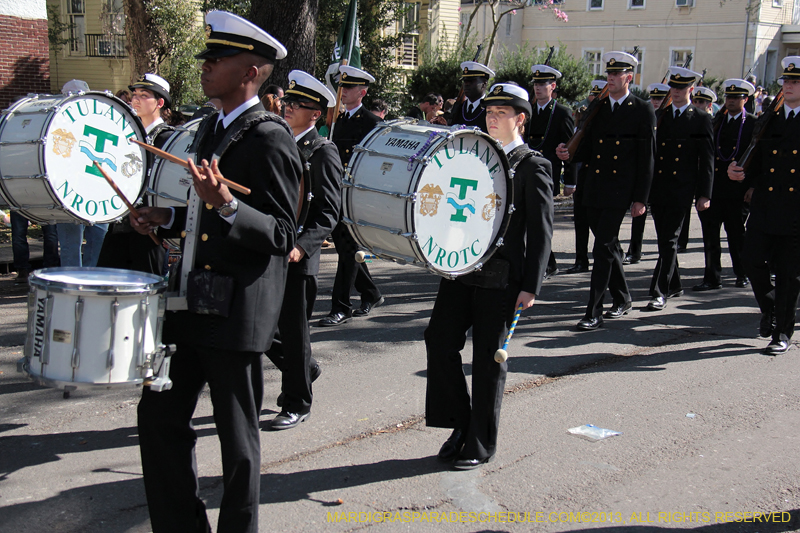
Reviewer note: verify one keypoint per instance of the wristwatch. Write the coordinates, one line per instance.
(229, 209)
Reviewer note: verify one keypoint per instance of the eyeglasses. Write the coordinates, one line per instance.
(295, 105)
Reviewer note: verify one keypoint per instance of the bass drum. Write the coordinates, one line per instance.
(440, 198)
(48, 146)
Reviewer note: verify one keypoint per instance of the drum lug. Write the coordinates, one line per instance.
(114, 311)
(160, 362)
(24, 365)
(511, 173)
(76, 353)
(499, 242)
(410, 236)
(511, 208)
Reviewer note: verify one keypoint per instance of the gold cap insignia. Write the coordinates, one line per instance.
(612, 61)
(498, 90)
(537, 73)
(209, 29)
(466, 70)
(292, 84)
(732, 88)
(344, 75)
(790, 67)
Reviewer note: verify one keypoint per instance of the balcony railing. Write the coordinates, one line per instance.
(100, 45)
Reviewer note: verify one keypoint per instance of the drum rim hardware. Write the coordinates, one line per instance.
(158, 285)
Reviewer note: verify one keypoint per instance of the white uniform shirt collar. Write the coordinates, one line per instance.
(734, 117)
(681, 109)
(227, 119)
(301, 135)
(475, 105)
(541, 107)
(787, 110)
(513, 144)
(353, 111)
(618, 101)
(152, 126)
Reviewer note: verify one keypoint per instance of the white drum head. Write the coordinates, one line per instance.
(103, 280)
(461, 200)
(87, 128)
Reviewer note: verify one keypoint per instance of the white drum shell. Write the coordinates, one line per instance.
(53, 328)
(170, 182)
(26, 182)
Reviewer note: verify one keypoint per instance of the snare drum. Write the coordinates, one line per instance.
(170, 182)
(93, 327)
(435, 197)
(48, 146)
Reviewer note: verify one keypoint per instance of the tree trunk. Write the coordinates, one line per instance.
(294, 24)
(141, 34)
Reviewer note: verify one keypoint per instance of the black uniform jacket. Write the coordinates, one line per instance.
(617, 153)
(684, 152)
(416, 112)
(546, 134)
(476, 118)
(323, 213)
(775, 176)
(348, 132)
(253, 249)
(726, 150)
(528, 239)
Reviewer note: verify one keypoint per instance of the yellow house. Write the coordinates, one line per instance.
(97, 51)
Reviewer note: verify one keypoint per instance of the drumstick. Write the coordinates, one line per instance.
(363, 256)
(501, 355)
(129, 205)
(178, 161)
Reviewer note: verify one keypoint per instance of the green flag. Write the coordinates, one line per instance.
(347, 46)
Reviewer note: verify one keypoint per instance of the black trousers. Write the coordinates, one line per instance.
(666, 276)
(350, 274)
(131, 251)
(167, 440)
(607, 272)
(581, 220)
(683, 240)
(637, 235)
(732, 214)
(447, 400)
(782, 253)
(291, 349)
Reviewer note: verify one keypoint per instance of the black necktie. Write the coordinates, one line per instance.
(469, 109)
(615, 107)
(677, 113)
(791, 115)
(219, 130)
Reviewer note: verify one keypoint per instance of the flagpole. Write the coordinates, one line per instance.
(338, 103)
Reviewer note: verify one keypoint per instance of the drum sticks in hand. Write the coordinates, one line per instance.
(178, 161)
(501, 355)
(129, 205)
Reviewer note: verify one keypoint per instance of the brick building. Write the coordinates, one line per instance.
(24, 51)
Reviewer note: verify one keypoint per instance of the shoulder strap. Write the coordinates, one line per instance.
(521, 155)
(310, 149)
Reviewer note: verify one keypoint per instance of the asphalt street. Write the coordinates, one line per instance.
(709, 425)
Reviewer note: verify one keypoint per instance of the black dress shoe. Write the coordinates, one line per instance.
(452, 446)
(675, 294)
(619, 310)
(631, 259)
(334, 319)
(313, 372)
(706, 286)
(471, 464)
(287, 420)
(777, 347)
(577, 268)
(767, 325)
(366, 307)
(656, 304)
(550, 272)
(742, 282)
(589, 324)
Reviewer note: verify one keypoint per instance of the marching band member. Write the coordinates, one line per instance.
(703, 98)
(350, 128)
(305, 101)
(683, 172)
(618, 156)
(733, 131)
(487, 307)
(235, 288)
(773, 229)
(471, 112)
(123, 247)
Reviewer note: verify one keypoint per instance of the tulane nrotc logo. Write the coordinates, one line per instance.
(459, 200)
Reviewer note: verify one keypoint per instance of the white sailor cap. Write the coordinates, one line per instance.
(657, 90)
(473, 69)
(619, 61)
(508, 94)
(303, 87)
(704, 93)
(544, 73)
(681, 78)
(354, 76)
(228, 34)
(738, 87)
(75, 86)
(597, 87)
(791, 68)
(154, 83)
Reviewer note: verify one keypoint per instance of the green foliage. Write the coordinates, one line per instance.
(439, 72)
(516, 66)
(238, 7)
(182, 36)
(640, 92)
(377, 49)
(57, 31)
